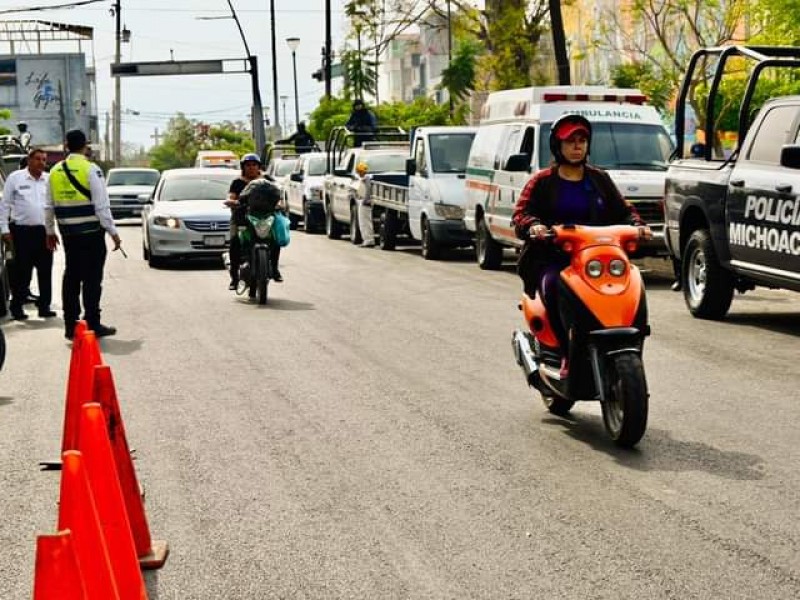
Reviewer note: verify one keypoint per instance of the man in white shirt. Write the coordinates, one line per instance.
(22, 224)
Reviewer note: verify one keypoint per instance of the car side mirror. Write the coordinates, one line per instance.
(298, 177)
(145, 199)
(341, 173)
(790, 156)
(518, 163)
(411, 166)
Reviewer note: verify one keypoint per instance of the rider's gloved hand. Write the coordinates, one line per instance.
(538, 231)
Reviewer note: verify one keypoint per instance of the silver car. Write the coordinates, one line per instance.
(126, 189)
(186, 217)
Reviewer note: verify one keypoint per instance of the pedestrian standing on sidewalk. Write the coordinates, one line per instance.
(79, 202)
(22, 225)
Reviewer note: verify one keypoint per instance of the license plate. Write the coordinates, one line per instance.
(214, 241)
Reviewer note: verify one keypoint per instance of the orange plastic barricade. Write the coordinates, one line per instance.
(77, 512)
(152, 554)
(57, 576)
(95, 447)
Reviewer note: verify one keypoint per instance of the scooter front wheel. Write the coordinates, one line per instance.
(625, 408)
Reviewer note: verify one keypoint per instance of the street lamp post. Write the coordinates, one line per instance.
(293, 43)
(449, 54)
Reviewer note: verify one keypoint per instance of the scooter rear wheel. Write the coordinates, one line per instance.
(625, 408)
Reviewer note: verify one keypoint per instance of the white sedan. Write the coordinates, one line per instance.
(186, 217)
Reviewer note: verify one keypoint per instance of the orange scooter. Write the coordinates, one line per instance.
(604, 310)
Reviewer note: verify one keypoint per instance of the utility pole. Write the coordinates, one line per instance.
(274, 62)
(107, 139)
(157, 137)
(326, 61)
(117, 88)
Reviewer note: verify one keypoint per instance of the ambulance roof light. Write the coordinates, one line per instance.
(626, 98)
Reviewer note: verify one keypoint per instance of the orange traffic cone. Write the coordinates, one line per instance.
(57, 576)
(95, 446)
(77, 512)
(152, 554)
(85, 355)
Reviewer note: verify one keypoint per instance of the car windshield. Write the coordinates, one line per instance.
(284, 167)
(615, 146)
(316, 166)
(206, 187)
(449, 152)
(381, 163)
(133, 178)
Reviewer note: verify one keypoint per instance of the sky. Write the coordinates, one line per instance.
(161, 30)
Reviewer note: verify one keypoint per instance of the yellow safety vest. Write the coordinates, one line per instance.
(74, 210)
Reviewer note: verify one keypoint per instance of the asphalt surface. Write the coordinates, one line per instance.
(369, 435)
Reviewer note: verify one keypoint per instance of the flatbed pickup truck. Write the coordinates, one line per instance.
(733, 222)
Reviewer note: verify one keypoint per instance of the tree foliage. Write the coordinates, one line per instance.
(185, 137)
(663, 34)
(642, 75)
(5, 115)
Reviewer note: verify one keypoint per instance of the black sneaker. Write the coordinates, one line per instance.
(46, 313)
(277, 276)
(233, 285)
(69, 333)
(19, 315)
(103, 331)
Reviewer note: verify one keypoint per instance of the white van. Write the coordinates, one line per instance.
(216, 159)
(436, 193)
(629, 141)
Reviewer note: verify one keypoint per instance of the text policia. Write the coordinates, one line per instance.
(763, 236)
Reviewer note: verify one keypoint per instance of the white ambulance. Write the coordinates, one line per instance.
(629, 141)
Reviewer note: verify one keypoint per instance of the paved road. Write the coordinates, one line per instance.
(368, 435)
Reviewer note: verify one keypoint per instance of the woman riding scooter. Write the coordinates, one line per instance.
(569, 192)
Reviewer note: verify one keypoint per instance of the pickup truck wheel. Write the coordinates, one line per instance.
(488, 251)
(293, 221)
(308, 220)
(331, 226)
(431, 249)
(388, 230)
(707, 287)
(355, 230)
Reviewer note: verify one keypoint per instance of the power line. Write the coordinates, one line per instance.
(51, 7)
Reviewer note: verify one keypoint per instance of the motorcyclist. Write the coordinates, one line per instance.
(250, 165)
(263, 197)
(363, 122)
(569, 191)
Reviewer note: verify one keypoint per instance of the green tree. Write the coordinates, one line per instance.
(642, 76)
(458, 78)
(5, 115)
(663, 34)
(178, 147)
(766, 28)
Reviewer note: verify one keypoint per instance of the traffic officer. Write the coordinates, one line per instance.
(79, 202)
(24, 198)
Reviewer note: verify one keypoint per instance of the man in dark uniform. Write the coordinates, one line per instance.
(79, 202)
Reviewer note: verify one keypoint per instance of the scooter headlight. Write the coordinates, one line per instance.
(262, 227)
(594, 268)
(616, 267)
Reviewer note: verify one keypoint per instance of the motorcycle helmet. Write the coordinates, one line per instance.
(250, 157)
(260, 195)
(565, 126)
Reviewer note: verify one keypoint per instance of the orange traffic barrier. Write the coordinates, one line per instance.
(57, 576)
(152, 554)
(85, 355)
(77, 512)
(94, 445)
